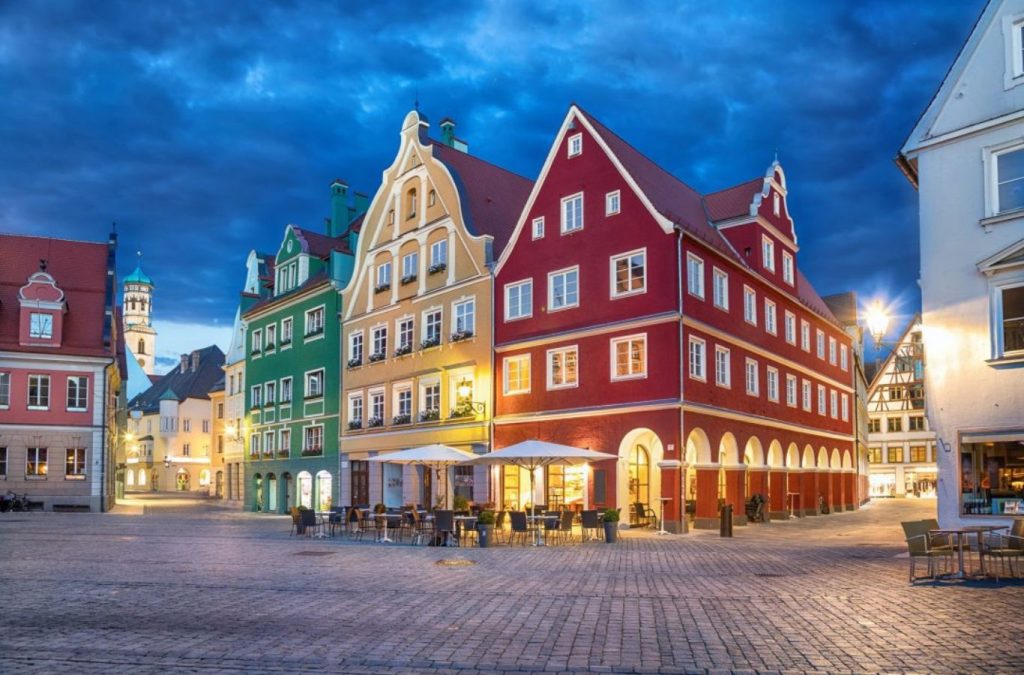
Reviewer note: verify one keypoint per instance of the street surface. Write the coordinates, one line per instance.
(185, 586)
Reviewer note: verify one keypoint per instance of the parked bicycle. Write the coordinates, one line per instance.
(12, 502)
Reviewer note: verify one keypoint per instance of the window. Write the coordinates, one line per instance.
(572, 213)
(286, 390)
(271, 336)
(895, 455)
(355, 348)
(753, 386)
(1011, 318)
(206, 426)
(720, 288)
(791, 391)
(517, 374)
(629, 355)
(787, 267)
(404, 403)
(410, 266)
(186, 424)
(821, 400)
(78, 393)
(431, 198)
(286, 441)
(40, 325)
(915, 423)
(355, 410)
(38, 392)
(697, 359)
(772, 380)
(3, 462)
(629, 273)
(563, 289)
(790, 321)
(749, 305)
(538, 227)
(257, 342)
(519, 300)
(432, 397)
(438, 255)
(378, 343)
(270, 393)
(405, 335)
(844, 357)
(894, 424)
(723, 374)
(805, 388)
(874, 425)
(845, 408)
(833, 404)
(315, 384)
(383, 276)
(74, 464)
(832, 350)
(820, 342)
(269, 442)
(770, 317)
(874, 455)
(286, 332)
(35, 463)
(464, 315)
(611, 203)
(256, 396)
(575, 145)
(315, 321)
(377, 407)
(563, 368)
(313, 442)
(918, 453)
(410, 200)
(805, 336)
(776, 204)
(695, 275)
(1008, 183)
(5, 390)
(254, 444)
(220, 411)
(895, 393)
(432, 328)
(768, 253)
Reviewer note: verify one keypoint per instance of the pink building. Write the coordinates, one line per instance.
(61, 365)
(638, 317)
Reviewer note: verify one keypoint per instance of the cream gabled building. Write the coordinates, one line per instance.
(901, 446)
(417, 317)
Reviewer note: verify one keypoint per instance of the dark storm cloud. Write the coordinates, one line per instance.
(204, 128)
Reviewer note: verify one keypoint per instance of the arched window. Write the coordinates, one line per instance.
(142, 346)
(131, 303)
(431, 198)
(639, 475)
(410, 198)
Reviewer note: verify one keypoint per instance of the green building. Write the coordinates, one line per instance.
(293, 364)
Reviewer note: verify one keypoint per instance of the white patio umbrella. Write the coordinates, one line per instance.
(533, 454)
(435, 456)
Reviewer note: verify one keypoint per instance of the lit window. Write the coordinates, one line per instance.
(787, 267)
(629, 273)
(35, 462)
(40, 325)
(723, 374)
(519, 300)
(720, 288)
(563, 289)
(697, 359)
(517, 374)
(74, 464)
(695, 275)
(629, 355)
(572, 213)
(770, 317)
(768, 253)
(563, 368)
(753, 386)
(772, 379)
(538, 228)
(575, 145)
(749, 305)
(611, 203)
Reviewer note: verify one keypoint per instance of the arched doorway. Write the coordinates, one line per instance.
(142, 478)
(130, 478)
(698, 453)
(289, 493)
(305, 485)
(323, 491)
(257, 484)
(182, 481)
(272, 493)
(639, 479)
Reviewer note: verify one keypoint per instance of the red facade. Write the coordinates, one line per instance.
(628, 365)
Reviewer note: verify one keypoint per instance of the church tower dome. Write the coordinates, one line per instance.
(137, 308)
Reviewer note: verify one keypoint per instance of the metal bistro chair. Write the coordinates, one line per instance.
(551, 524)
(519, 526)
(296, 519)
(644, 515)
(591, 521)
(1007, 548)
(919, 546)
(421, 528)
(310, 524)
(336, 519)
(444, 527)
(499, 526)
(565, 529)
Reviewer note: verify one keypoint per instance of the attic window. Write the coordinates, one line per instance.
(431, 198)
(776, 205)
(40, 326)
(575, 145)
(410, 198)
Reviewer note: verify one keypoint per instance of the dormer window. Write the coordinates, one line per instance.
(40, 326)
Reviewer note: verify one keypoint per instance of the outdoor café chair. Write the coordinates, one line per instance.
(591, 522)
(336, 518)
(1007, 548)
(519, 526)
(310, 524)
(296, 519)
(499, 526)
(444, 526)
(422, 529)
(644, 515)
(919, 547)
(565, 526)
(942, 540)
(551, 524)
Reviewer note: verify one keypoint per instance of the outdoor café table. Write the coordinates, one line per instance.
(793, 496)
(961, 534)
(538, 532)
(385, 517)
(462, 524)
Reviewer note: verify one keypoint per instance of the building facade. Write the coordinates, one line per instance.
(966, 158)
(417, 318)
(293, 366)
(60, 375)
(137, 309)
(636, 317)
(218, 422)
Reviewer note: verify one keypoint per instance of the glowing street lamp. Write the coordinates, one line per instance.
(878, 322)
(465, 394)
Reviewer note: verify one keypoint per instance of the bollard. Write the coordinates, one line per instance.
(725, 528)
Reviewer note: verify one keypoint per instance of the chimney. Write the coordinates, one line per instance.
(184, 363)
(448, 135)
(195, 361)
(339, 208)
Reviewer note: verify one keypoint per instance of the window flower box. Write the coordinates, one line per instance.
(310, 397)
(285, 341)
(462, 410)
(402, 350)
(401, 419)
(355, 363)
(312, 452)
(355, 424)
(268, 453)
(380, 288)
(315, 331)
(256, 352)
(377, 356)
(268, 404)
(283, 454)
(460, 335)
(431, 342)
(430, 415)
(375, 422)
(437, 268)
(254, 407)
(269, 347)
(406, 280)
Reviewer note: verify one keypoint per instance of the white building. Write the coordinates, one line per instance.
(966, 156)
(901, 446)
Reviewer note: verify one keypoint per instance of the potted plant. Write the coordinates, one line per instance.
(485, 528)
(611, 525)
(460, 503)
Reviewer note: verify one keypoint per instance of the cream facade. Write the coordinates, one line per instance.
(416, 337)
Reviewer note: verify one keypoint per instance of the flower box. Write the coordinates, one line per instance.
(430, 415)
(381, 288)
(355, 363)
(401, 419)
(408, 279)
(315, 331)
(437, 267)
(355, 424)
(402, 350)
(431, 342)
(283, 454)
(312, 452)
(458, 336)
(377, 356)
(462, 410)
(375, 422)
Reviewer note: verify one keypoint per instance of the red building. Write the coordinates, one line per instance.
(638, 317)
(61, 366)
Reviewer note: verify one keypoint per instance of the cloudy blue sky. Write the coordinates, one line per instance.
(203, 128)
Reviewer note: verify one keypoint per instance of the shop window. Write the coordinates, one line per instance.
(918, 453)
(992, 477)
(874, 455)
(895, 455)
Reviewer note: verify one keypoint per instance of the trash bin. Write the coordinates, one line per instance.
(484, 535)
(725, 528)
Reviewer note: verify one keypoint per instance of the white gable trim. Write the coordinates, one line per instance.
(999, 261)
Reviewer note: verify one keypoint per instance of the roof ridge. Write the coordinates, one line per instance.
(434, 141)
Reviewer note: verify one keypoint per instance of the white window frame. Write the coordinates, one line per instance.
(256, 344)
(697, 358)
(695, 275)
(39, 405)
(751, 377)
(723, 367)
(518, 285)
(787, 267)
(565, 213)
(819, 343)
(822, 407)
(372, 397)
(5, 390)
(612, 203)
(551, 288)
(306, 381)
(806, 396)
(771, 317)
(81, 382)
(405, 322)
(352, 398)
(425, 386)
(352, 345)
(549, 363)
(284, 440)
(312, 429)
(427, 313)
(574, 145)
(628, 257)
(459, 304)
(308, 334)
(844, 357)
(768, 252)
(720, 288)
(771, 378)
(255, 396)
(805, 335)
(439, 252)
(381, 329)
(286, 387)
(833, 403)
(845, 407)
(614, 357)
(38, 329)
(383, 274)
(832, 346)
(791, 390)
(287, 333)
(537, 227)
(519, 359)
(411, 264)
(996, 315)
(789, 320)
(749, 305)
(991, 165)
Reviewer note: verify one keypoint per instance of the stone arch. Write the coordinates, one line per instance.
(728, 452)
(836, 461)
(698, 447)
(822, 458)
(639, 443)
(775, 457)
(808, 458)
(793, 456)
(753, 452)
(847, 460)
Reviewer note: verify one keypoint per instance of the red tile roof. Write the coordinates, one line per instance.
(810, 297)
(492, 197)
(80, 270)
(733, 202)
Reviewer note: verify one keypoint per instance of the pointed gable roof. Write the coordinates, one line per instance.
(1010, 257)
(875, 372)
(177, 385)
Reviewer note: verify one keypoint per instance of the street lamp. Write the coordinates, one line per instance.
(878, 322)
(465, 393)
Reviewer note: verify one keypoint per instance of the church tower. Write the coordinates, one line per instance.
(139, 334)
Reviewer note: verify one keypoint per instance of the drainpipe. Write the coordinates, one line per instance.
(683, 527)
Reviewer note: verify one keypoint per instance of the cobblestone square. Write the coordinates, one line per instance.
(206, 590)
